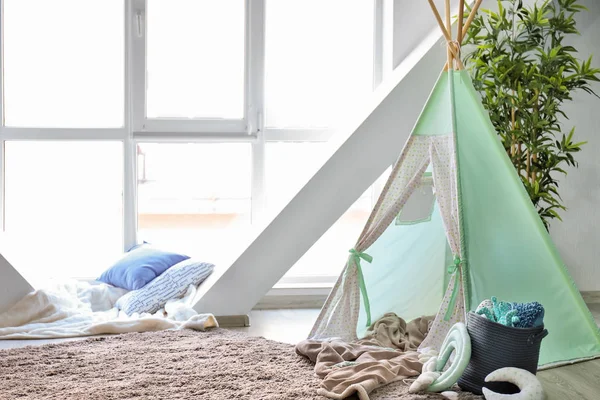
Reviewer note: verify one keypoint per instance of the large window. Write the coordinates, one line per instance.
(179, 122)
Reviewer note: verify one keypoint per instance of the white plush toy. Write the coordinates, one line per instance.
(530, 386)
(433, 378)
(427, 377)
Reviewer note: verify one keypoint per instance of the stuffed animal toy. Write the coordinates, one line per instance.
(531, 315)
(486, 308)
(505, 313)
(499, 311)
(433, 377)
(530, 387)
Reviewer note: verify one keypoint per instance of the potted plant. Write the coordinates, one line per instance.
(525, 70)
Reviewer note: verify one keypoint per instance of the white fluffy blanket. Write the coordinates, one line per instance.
(78, 308)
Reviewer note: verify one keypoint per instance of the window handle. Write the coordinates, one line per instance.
(254, 125)
(250, 121)
(260, 122)
(139, 22)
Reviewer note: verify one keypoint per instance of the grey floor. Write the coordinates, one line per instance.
(573, 382)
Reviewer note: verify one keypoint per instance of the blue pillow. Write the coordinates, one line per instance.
(171, 285)
(140, 266)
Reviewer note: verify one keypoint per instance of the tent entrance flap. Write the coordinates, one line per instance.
(407, 274)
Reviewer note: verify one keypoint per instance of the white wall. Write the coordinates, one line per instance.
(578, 236)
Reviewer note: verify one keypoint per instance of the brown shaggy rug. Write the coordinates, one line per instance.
(214, 365)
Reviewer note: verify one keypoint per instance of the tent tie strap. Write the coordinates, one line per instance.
(357, 256)
(452, 270)
(454, 47)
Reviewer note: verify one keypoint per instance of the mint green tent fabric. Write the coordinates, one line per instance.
(435, 119)
(508, 251)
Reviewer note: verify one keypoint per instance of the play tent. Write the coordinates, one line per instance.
(453, 226)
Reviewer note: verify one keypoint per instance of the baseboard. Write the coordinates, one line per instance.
(233, 321)
(591, 297)
(289, 302)
(293, 297)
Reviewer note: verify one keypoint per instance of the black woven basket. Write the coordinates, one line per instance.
(495, 346)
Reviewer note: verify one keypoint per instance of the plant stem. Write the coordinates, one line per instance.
(528, 163)
(533, 173)
(513, 145)
(534, 136)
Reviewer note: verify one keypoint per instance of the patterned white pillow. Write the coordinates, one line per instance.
(171, 284)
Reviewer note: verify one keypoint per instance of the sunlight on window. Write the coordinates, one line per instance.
(64, 63)
(195, 59)
(195, 198)
(319, 60)
(64, 206)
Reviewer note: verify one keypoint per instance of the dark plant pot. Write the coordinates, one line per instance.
(495, 346)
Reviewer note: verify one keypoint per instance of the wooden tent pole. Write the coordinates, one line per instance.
(449, 29)
(461, 16)
(463, 33)
(463, 28)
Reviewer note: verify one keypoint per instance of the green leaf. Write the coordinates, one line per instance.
(555, 214)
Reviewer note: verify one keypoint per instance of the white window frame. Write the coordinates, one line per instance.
(196, 127)
(138, 129)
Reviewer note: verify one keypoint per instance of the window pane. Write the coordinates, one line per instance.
(64, 206)
(194, 197)
(195, 59)
(64, 63)
(319, 60)
(419, 206)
